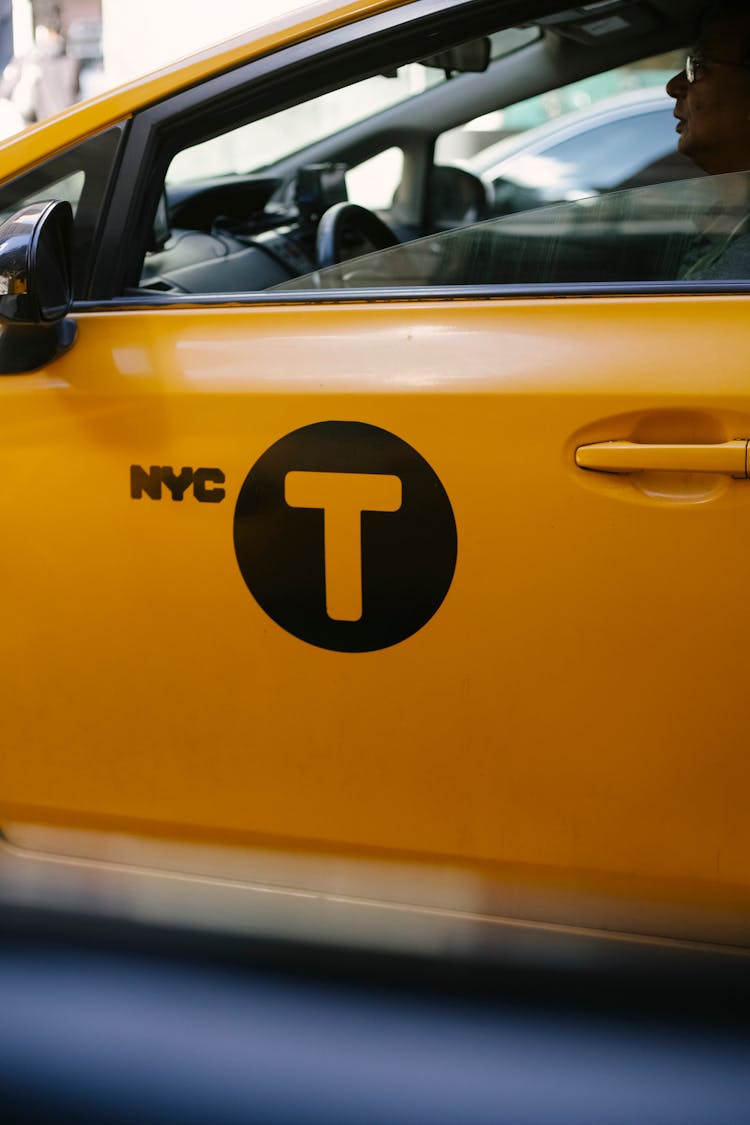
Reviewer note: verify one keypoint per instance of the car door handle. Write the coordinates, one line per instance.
(730, 457)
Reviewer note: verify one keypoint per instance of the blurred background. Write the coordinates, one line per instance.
(79, 48)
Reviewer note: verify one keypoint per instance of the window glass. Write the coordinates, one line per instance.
(373, 183)
(68, 187)
(603, 157)
(605, 132)
(260, 143)
(80, 175)
(254, 146)
(627, 150)
(692, 230)
(518, 120)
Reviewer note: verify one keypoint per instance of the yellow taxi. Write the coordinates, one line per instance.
(373, 562)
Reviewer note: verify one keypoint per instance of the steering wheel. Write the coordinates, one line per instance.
(349, 223)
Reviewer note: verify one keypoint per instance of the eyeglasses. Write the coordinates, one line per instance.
(696, 64)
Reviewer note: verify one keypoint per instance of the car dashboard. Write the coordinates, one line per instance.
(227, 236)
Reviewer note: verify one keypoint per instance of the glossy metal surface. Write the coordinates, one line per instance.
(633, 457)
(559, 722)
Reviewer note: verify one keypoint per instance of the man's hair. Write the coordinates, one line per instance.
(723, 8)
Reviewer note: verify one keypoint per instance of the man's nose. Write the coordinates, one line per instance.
(677, 85)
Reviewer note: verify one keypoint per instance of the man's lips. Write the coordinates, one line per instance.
(680, 122)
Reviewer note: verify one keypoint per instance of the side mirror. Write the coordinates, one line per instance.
(36, 285)
(36, 259)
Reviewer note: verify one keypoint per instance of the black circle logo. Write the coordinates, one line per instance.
(345, 536)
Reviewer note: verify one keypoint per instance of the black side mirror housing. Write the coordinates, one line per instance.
(36, 285)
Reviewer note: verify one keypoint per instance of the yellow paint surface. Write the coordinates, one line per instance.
(575, 704)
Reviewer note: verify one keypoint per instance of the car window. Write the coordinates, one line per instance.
(373, 183)
(265, 204)
(601, 133)
(607, 155)
(628, 151)
(251, 208)
(69, 187)
(259, 144)
(493, 136)
(81, 175)
(688, 230)
(650, 234)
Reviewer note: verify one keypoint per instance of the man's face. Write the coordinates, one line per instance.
(713, 112)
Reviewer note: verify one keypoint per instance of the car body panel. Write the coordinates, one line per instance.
(547, 705)
(540, 717)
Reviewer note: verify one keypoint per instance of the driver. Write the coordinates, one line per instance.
(712, 107)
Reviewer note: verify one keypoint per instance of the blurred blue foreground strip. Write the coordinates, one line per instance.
(130, 1035)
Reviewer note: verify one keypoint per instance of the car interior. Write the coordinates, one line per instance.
(271, 222)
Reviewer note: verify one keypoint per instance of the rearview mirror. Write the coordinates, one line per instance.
(471, 57)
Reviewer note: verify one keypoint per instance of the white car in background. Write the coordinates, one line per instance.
(624, 141)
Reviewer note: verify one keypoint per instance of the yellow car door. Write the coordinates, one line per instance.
(528, 672)
(446, 579)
